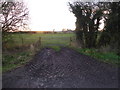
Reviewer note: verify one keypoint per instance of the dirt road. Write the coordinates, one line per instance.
(64, 69)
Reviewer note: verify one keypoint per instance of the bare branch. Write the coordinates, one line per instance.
(13, 15)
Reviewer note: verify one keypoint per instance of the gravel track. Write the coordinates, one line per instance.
(64, 69)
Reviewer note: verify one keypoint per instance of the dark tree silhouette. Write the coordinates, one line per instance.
(86, 27)
(88, 16)
(111, 33)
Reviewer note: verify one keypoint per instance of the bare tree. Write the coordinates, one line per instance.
(13, 15)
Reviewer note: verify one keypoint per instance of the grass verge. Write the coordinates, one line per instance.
(56, 48)
(107, 57)
(11, 61)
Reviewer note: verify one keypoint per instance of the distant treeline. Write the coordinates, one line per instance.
(44, 32)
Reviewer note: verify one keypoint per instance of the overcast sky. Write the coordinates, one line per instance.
(50, 14)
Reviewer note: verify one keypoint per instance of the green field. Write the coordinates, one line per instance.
(46, 39)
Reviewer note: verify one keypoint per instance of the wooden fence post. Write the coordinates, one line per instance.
(40, 41)
(22, 41)
(70, 41)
